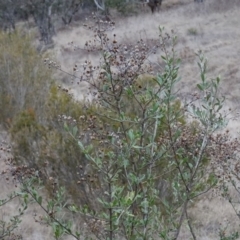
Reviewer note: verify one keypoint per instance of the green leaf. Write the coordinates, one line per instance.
(164, 58)
(200, 87)
(131, 135)
(136, 147)
(125, 162)
(80, 145)
(74, 131)
(39, 200)
(73, 208)
(66, 128)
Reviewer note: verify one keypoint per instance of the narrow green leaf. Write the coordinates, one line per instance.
(200, 87)
(74, 131)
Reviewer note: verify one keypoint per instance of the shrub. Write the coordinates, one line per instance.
(9, 199)
(134, 158)
(192, 31)
(122, 7)
(145, 160)
(24, 81)
(7, 226)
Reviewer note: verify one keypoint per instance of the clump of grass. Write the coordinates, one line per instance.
(192, 31)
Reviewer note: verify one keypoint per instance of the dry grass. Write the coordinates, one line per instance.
(217, 34)
(28, 229)
(212, 27)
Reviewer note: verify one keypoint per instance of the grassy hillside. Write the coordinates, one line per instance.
(213, 27)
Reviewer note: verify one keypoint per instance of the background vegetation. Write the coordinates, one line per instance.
(47, 14)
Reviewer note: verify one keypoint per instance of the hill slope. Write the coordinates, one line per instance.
(212, 27)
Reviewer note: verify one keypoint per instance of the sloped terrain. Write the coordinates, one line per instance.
(212, 27)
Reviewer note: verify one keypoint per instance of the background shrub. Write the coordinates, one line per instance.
(24, 80)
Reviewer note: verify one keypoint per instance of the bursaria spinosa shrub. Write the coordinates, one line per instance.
(137, 156)
(147, 153)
